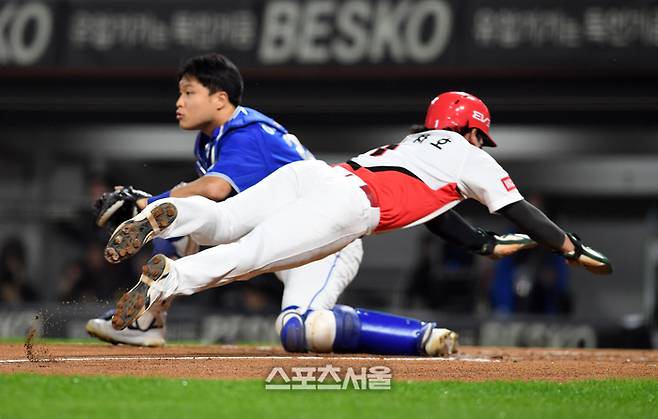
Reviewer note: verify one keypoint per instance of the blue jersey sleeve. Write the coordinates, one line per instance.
(246, 156)
(240, 161)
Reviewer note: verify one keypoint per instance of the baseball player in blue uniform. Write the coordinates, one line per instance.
(235, 149)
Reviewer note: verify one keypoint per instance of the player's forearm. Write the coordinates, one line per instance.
(191, 189)
(211, 187)
(454, 229)
(537, 225)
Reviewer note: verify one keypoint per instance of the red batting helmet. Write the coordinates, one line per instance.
(459, 110)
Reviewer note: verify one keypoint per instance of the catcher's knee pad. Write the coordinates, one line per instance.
(290, 327)
(321, 329)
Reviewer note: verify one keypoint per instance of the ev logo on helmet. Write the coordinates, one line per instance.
(480, 117)
(25, 32)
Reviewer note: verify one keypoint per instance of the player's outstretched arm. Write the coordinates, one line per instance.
(209, 186)
(454, 229)
(540, 228)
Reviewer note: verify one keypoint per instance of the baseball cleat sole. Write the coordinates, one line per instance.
(135, 302)
(133, 234)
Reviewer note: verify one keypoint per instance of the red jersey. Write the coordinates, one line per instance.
(427, 174)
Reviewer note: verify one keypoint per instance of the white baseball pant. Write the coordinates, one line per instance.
(317, 285)
(303, 212)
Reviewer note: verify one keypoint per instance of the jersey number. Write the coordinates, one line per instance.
(293, 141)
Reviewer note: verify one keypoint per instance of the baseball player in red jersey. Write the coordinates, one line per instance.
(307, 210)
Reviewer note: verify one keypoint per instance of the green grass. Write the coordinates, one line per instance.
(33, 396)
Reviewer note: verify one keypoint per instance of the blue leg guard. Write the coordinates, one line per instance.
(292, 332)
(348, 329)
(165, 247)
(373, 332)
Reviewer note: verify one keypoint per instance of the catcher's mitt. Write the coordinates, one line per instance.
(592, 260)
(113, 208)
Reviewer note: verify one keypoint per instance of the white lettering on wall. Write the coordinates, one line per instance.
(325, 31)
(25, 32)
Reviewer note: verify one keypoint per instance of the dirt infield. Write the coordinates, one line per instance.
(232, 362)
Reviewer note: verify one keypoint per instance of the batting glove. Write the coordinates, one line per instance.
(499, 246)
(592, 260)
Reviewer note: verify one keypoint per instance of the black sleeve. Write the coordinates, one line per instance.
(451, 227)
(534, 223)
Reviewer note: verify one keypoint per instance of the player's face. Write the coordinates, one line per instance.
(196, 108)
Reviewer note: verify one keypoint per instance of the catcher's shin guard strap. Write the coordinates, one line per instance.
(348, 329)
(359, 330)
(293, 332)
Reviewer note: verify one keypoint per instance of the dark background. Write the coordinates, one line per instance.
(571, 89)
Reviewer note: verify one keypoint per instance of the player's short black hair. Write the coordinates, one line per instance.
(215, 72)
